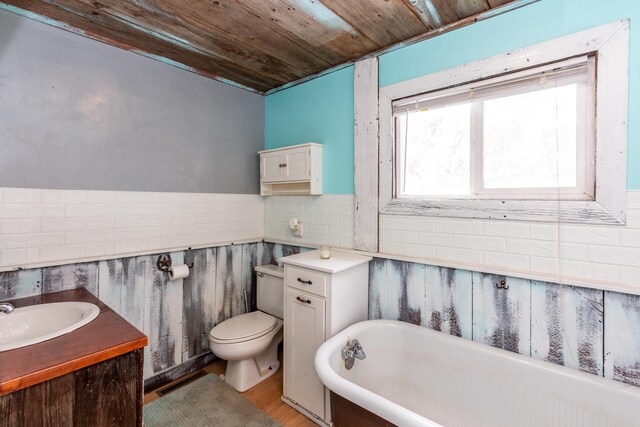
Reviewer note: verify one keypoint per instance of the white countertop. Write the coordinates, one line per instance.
(338, 262)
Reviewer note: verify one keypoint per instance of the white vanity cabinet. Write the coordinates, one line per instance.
(293, 170)
(322, 297)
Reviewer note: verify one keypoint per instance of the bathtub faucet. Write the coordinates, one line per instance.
(6, 308)
(353, 350)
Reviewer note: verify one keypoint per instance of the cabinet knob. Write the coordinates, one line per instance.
(306, 301)
(305, 282)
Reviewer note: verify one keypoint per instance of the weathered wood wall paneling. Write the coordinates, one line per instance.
(198, 309)
(385, 289)
(413, 296)
(70, 276)
(163, 316)
(622, 337)
(21, 283)
(556, 323)
(272, 252)
(179, 371)
(228, 283)
(567, 326)
(435, 297)
(502, 317)
(252, 254)
(121, 287)
(449, 301)
(377, 271)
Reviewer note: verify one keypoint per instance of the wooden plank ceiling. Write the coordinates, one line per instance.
(259, 44)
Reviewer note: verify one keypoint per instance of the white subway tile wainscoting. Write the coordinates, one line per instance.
(591, 255)
(40, 227)
(328, 219)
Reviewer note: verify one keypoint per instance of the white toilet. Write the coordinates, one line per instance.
(249, 342)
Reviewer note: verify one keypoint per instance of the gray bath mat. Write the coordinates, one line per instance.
(205, 402)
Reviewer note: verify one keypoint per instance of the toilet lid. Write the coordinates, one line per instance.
(244, 327)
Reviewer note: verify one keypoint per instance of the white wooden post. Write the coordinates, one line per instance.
(366, 154)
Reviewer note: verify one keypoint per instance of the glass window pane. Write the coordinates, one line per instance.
(436, 151)
(530, 139)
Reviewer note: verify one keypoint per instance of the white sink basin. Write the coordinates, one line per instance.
(42, 322)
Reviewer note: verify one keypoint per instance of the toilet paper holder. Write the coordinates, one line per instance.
(164, 263)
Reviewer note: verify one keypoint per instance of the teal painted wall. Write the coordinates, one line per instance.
(532, 24)
(321, 111)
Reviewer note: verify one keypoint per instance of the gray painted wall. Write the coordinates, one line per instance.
(79, 114)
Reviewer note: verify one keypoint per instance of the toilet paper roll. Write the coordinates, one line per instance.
(178, 272)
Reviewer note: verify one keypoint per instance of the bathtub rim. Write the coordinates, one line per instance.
(385, 408)
(400, 415)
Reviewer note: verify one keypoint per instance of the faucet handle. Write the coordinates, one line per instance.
(6, 308)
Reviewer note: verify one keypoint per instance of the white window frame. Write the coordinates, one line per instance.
(523, 82)
(610, 45)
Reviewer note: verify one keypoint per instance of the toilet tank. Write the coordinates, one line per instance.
(271, 289)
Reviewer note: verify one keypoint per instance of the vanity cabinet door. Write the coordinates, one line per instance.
(106, 394)
(304, 333)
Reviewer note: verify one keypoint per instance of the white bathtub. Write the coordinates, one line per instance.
(413, 376)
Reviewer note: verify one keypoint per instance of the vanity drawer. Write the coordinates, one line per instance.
(306, 280)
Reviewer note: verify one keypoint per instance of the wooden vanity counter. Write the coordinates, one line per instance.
(106, 337)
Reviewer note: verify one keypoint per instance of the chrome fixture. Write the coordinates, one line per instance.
(353, 350)
(6, 308)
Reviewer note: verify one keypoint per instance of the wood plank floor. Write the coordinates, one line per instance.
(265, 396)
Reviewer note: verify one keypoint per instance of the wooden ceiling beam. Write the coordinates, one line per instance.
(383, 21)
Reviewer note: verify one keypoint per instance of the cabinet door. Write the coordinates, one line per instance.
(298, 161)
(304, 333)
(272, 167)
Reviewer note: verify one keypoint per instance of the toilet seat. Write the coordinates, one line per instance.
(243, 328)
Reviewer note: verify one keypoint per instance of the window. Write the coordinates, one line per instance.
(525, 135)
(535, 134)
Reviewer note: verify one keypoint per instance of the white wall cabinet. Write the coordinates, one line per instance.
(293, 170)
(322, 298)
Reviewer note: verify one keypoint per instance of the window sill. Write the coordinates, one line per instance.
(569, 211)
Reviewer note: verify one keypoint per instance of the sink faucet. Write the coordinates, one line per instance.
(353, 350)
(6, 308)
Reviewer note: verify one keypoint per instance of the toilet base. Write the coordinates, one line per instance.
(245, 374)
